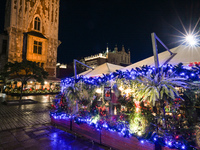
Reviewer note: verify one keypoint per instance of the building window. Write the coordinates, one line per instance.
(37, 24)
(37, 47)
(4, 46)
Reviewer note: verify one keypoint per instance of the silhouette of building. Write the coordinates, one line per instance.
(122, 58)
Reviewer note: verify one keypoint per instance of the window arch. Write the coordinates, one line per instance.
(37, 23)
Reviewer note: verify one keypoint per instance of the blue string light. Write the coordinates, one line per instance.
(178, 71)
(123, 130)
(189, 74)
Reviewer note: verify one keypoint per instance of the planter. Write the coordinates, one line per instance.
(86, 131)
(117, 141)
(105, 137)
(61, 122)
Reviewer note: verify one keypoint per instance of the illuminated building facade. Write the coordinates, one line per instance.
(122, 58)
(31, 32)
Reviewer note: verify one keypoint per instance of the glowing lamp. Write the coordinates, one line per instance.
(121, 88)
(98, 90)
(183, 147)
(191, 40)
(139, 133)
(170, 143)
(142, 141)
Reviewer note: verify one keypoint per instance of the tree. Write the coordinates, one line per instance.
(24, 71)
(72, 92)
(156, 88)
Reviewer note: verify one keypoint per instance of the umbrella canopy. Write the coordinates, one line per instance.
(85, 72)
(105, 68)
(182, 54)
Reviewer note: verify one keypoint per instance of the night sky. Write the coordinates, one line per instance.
(86, 26)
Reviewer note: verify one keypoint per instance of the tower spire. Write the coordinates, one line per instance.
(123, 49)
(107, 48)
(116, 49)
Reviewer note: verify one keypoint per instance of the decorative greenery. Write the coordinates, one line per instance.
(155, 88)
(157, 105)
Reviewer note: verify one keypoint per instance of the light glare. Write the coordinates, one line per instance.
(191, 40)
(98, 90)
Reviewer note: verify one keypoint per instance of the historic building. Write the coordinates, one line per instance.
(31, 32)
(122, 58)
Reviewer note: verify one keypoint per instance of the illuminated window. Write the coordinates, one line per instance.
(37, 24)
(37, 47)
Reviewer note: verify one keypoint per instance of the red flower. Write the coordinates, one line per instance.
(190, 64)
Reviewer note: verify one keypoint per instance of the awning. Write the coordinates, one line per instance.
(105, 68)
(183, 54)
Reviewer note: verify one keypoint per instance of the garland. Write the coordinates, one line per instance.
(178, 71)
(123, 129)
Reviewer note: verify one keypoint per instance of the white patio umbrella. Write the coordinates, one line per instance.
(105, 68)
(183, 54)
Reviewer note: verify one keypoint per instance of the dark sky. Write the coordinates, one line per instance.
(86, 26)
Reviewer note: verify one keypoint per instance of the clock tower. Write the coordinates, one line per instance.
(31, 33)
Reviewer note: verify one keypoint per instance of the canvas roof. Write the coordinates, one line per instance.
(105, 68)
(184, 54)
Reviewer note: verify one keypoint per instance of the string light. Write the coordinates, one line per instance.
(189, 74)
(124, 130)
(192, 74)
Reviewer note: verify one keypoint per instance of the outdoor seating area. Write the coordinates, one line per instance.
(31, 88)
(143, 107)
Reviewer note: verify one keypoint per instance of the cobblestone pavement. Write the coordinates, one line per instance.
(28, 127)
(12, 117)
(39, 98)
(44, 137)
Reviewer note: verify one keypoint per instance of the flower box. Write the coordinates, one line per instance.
(108, 138)
(61, 122)
(117, 141)
(86, 131)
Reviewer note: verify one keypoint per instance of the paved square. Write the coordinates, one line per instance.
(27, 127)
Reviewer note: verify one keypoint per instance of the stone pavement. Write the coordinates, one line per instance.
(12, 117)
(44, 137)
(28, 127)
